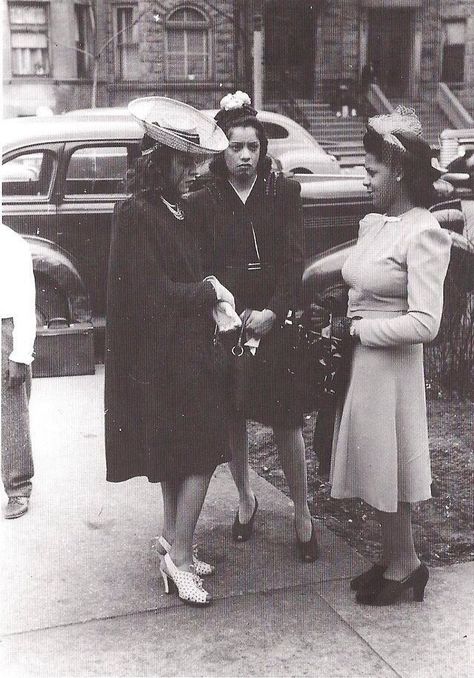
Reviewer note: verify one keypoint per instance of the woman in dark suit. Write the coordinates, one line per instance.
(251, 226)
(165, 415)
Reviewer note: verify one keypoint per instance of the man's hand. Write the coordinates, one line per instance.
(16, 374)
(260, 323)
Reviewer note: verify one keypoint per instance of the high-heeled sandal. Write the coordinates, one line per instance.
(243, 531)
(186, 584)
(201, 568)
(308, 551)
(390, 591)
(369, 578)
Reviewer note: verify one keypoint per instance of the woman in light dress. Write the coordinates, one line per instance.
(395, 275)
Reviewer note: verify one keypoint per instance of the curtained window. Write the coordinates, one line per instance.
(126, 58)
(454, 40)
(187, 45)
(84, 36)
(29, 38)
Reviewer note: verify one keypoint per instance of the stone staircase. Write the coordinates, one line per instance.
(343, 136)
(465, 96)
(340, 136)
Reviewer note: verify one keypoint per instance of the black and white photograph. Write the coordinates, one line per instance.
(237, 339)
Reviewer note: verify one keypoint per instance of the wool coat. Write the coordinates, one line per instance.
(165, 373)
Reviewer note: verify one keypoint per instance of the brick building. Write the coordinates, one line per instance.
(200, 49)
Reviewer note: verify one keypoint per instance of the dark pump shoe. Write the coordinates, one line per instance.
(390, 591)
(369, 578)
(16, 507)
(308, 551)
(243, 531)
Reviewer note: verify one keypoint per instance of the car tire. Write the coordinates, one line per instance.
(51, 302)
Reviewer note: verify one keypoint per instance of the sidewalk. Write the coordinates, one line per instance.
(81, 595)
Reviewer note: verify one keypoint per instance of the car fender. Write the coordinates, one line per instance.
(57, 265)
(306, 158)
(323, 282)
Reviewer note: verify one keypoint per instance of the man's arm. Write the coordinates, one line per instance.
(24, 318)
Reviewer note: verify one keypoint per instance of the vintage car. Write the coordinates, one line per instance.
(62, 177)
(294, 149)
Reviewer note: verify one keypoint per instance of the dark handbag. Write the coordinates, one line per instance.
(317, 362)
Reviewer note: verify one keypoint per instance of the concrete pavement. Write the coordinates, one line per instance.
(81, 595)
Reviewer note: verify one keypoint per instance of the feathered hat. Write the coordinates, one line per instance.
(401, 132)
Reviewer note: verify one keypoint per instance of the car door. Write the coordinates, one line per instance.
(28, 186)
(92, 182)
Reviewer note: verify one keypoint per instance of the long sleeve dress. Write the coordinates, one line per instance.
(165, 376)
(255, 249)
(395, 276)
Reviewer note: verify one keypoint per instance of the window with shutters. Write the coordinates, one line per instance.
(187, 43)
(29, 38)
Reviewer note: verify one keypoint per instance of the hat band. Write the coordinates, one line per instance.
(192, 137)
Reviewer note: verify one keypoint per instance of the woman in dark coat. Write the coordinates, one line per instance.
(165, 415)
(251, 228)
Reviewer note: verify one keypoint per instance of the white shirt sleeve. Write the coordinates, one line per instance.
(24, 313)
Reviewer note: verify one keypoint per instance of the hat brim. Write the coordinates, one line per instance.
(158, 116)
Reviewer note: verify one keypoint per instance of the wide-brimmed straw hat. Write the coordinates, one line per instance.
(177, 125)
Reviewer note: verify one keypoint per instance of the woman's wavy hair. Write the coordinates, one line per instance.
(149, 176)
(218, 165)
(415, 163)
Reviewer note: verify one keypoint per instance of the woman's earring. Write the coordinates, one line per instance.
(399, 178)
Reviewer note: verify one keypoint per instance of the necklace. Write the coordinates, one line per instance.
(175, 210)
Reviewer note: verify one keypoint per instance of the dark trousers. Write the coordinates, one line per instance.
(17, 459)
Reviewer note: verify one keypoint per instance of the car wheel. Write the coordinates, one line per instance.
(301, 170)
(51, 302)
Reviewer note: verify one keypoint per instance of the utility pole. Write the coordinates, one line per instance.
(258, 44)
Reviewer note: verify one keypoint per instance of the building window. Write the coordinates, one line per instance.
(83, 39)
(187, 45)
(29, 38)
(454, 40)
(127, 64)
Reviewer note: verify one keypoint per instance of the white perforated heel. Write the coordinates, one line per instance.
(201, 568)
(187, 584)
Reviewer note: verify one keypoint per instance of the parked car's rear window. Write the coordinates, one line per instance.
(28, 175)
(274, 131)
(97, 170)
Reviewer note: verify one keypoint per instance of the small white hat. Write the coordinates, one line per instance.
(178, 125)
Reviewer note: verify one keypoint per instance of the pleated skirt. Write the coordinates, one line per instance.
(380, 448)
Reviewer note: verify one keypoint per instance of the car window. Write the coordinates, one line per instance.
(274, 131)
(98, 170)
(28, 175)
